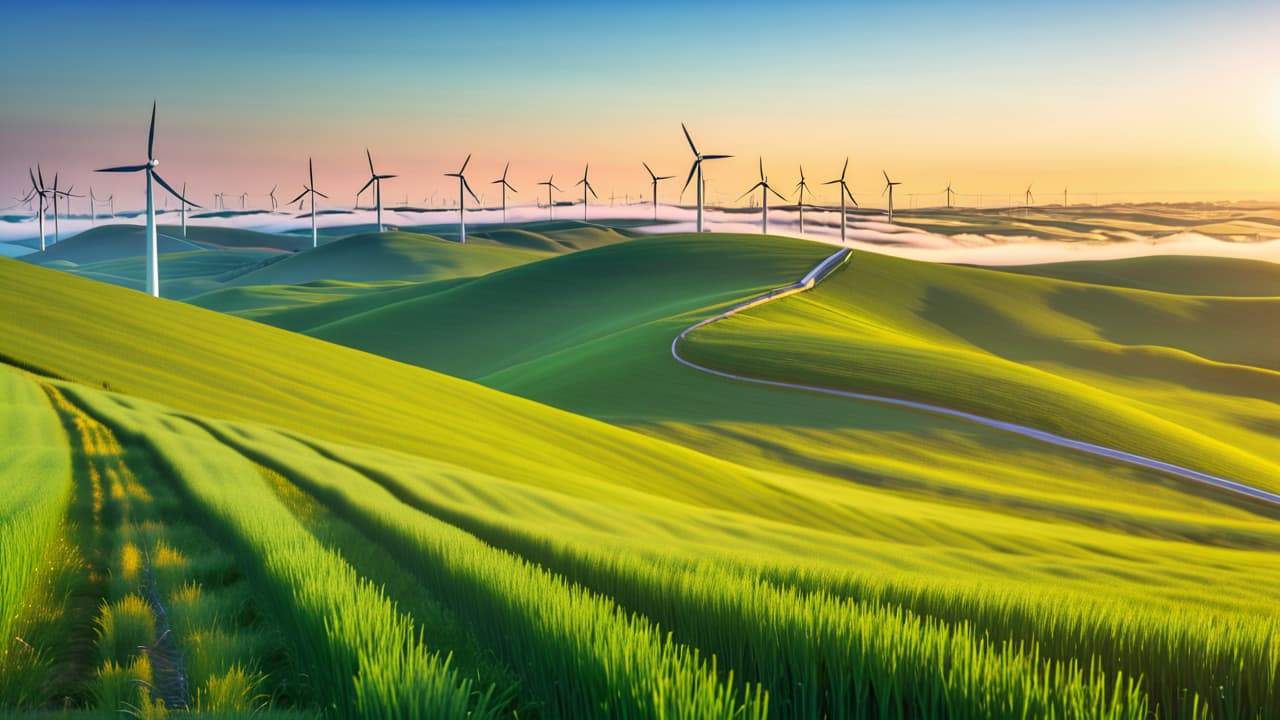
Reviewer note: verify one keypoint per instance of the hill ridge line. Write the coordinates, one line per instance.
(838, 259)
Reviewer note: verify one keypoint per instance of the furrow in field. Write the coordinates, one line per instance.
(546, 628)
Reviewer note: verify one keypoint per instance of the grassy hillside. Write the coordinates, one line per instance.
(305, 460)
(1182, 275)
(384, 256)
(1192, 380)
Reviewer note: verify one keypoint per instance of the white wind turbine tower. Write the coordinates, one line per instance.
(93, 207)
(463, 188)
(654, 179)
(802, 187)
(586, 185)
(765, 189)
(551, 206)
(697, 169)
(888, 188)
(153, 264)
(844, 192)
(376, 181)
(310, 189)
(184, 210)
(505, 187)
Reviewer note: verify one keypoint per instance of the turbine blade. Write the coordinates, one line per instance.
(300, 195)
(556, 187)
(311, 173)
(40, 174)
(370, 156)
(593, 191)
(646, 167)
(762, 167)
(886, 178)
(366, 185)
(173, 192)
(715, 157)
(775, 192)
(467, 186)
(504, 171)
(509, 186)
(690, 139)
(124, 168)
(387, 177)
(151, 136)
(846, 169)
(850, 194)
(317, 192)
(693, 169)
(464, 164)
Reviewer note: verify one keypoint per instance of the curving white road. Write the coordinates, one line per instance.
(825, 268)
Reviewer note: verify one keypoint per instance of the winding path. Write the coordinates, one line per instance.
(829, 265)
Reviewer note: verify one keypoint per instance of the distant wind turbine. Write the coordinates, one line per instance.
(218, 201)
(586, 185)
(1030, 199)
(184, 210)
(765, 189)
(1064, 197)
(376, 181)
(463, 188)
(802, 187)
(844, 192)
(949, 192)
(153, 264)
(654, 179)
(243, 197)
(697, 169)
(505, 187)
(888, 188)
(40, 193)
(310, 189)
(274, 203)
(551, 206)
(93, 207)
(66, 194)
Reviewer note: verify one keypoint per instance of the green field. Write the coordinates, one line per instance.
(470, 481)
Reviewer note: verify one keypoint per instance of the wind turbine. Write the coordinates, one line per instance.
(551, 206)
(655, 178)
(844, 192)
(802, 187)
(376, 181)
(1064, 197)
(505, 187)
(40, 192)
(310, 189)
(949, 192)
(888, 188)
(243, 197)
(153, 265)
(219, 201)
(463, 185)
(697, 169)
(93, 207)
(57, 236)
(765, 189)
(272, 195)
(586, 185)
(1026, 210)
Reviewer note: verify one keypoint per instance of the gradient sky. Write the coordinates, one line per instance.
(1168, 100)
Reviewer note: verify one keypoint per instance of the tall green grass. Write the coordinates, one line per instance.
(364, 657)
(35, 491)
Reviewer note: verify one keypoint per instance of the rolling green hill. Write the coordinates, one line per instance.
(1192, 380)
(927, 564)
(1178, 274)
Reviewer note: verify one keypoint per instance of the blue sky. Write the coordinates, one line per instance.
(1153, 96)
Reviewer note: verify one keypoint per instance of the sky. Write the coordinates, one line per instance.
(1113, 101)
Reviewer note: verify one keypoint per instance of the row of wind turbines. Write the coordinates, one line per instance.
(51, 195)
